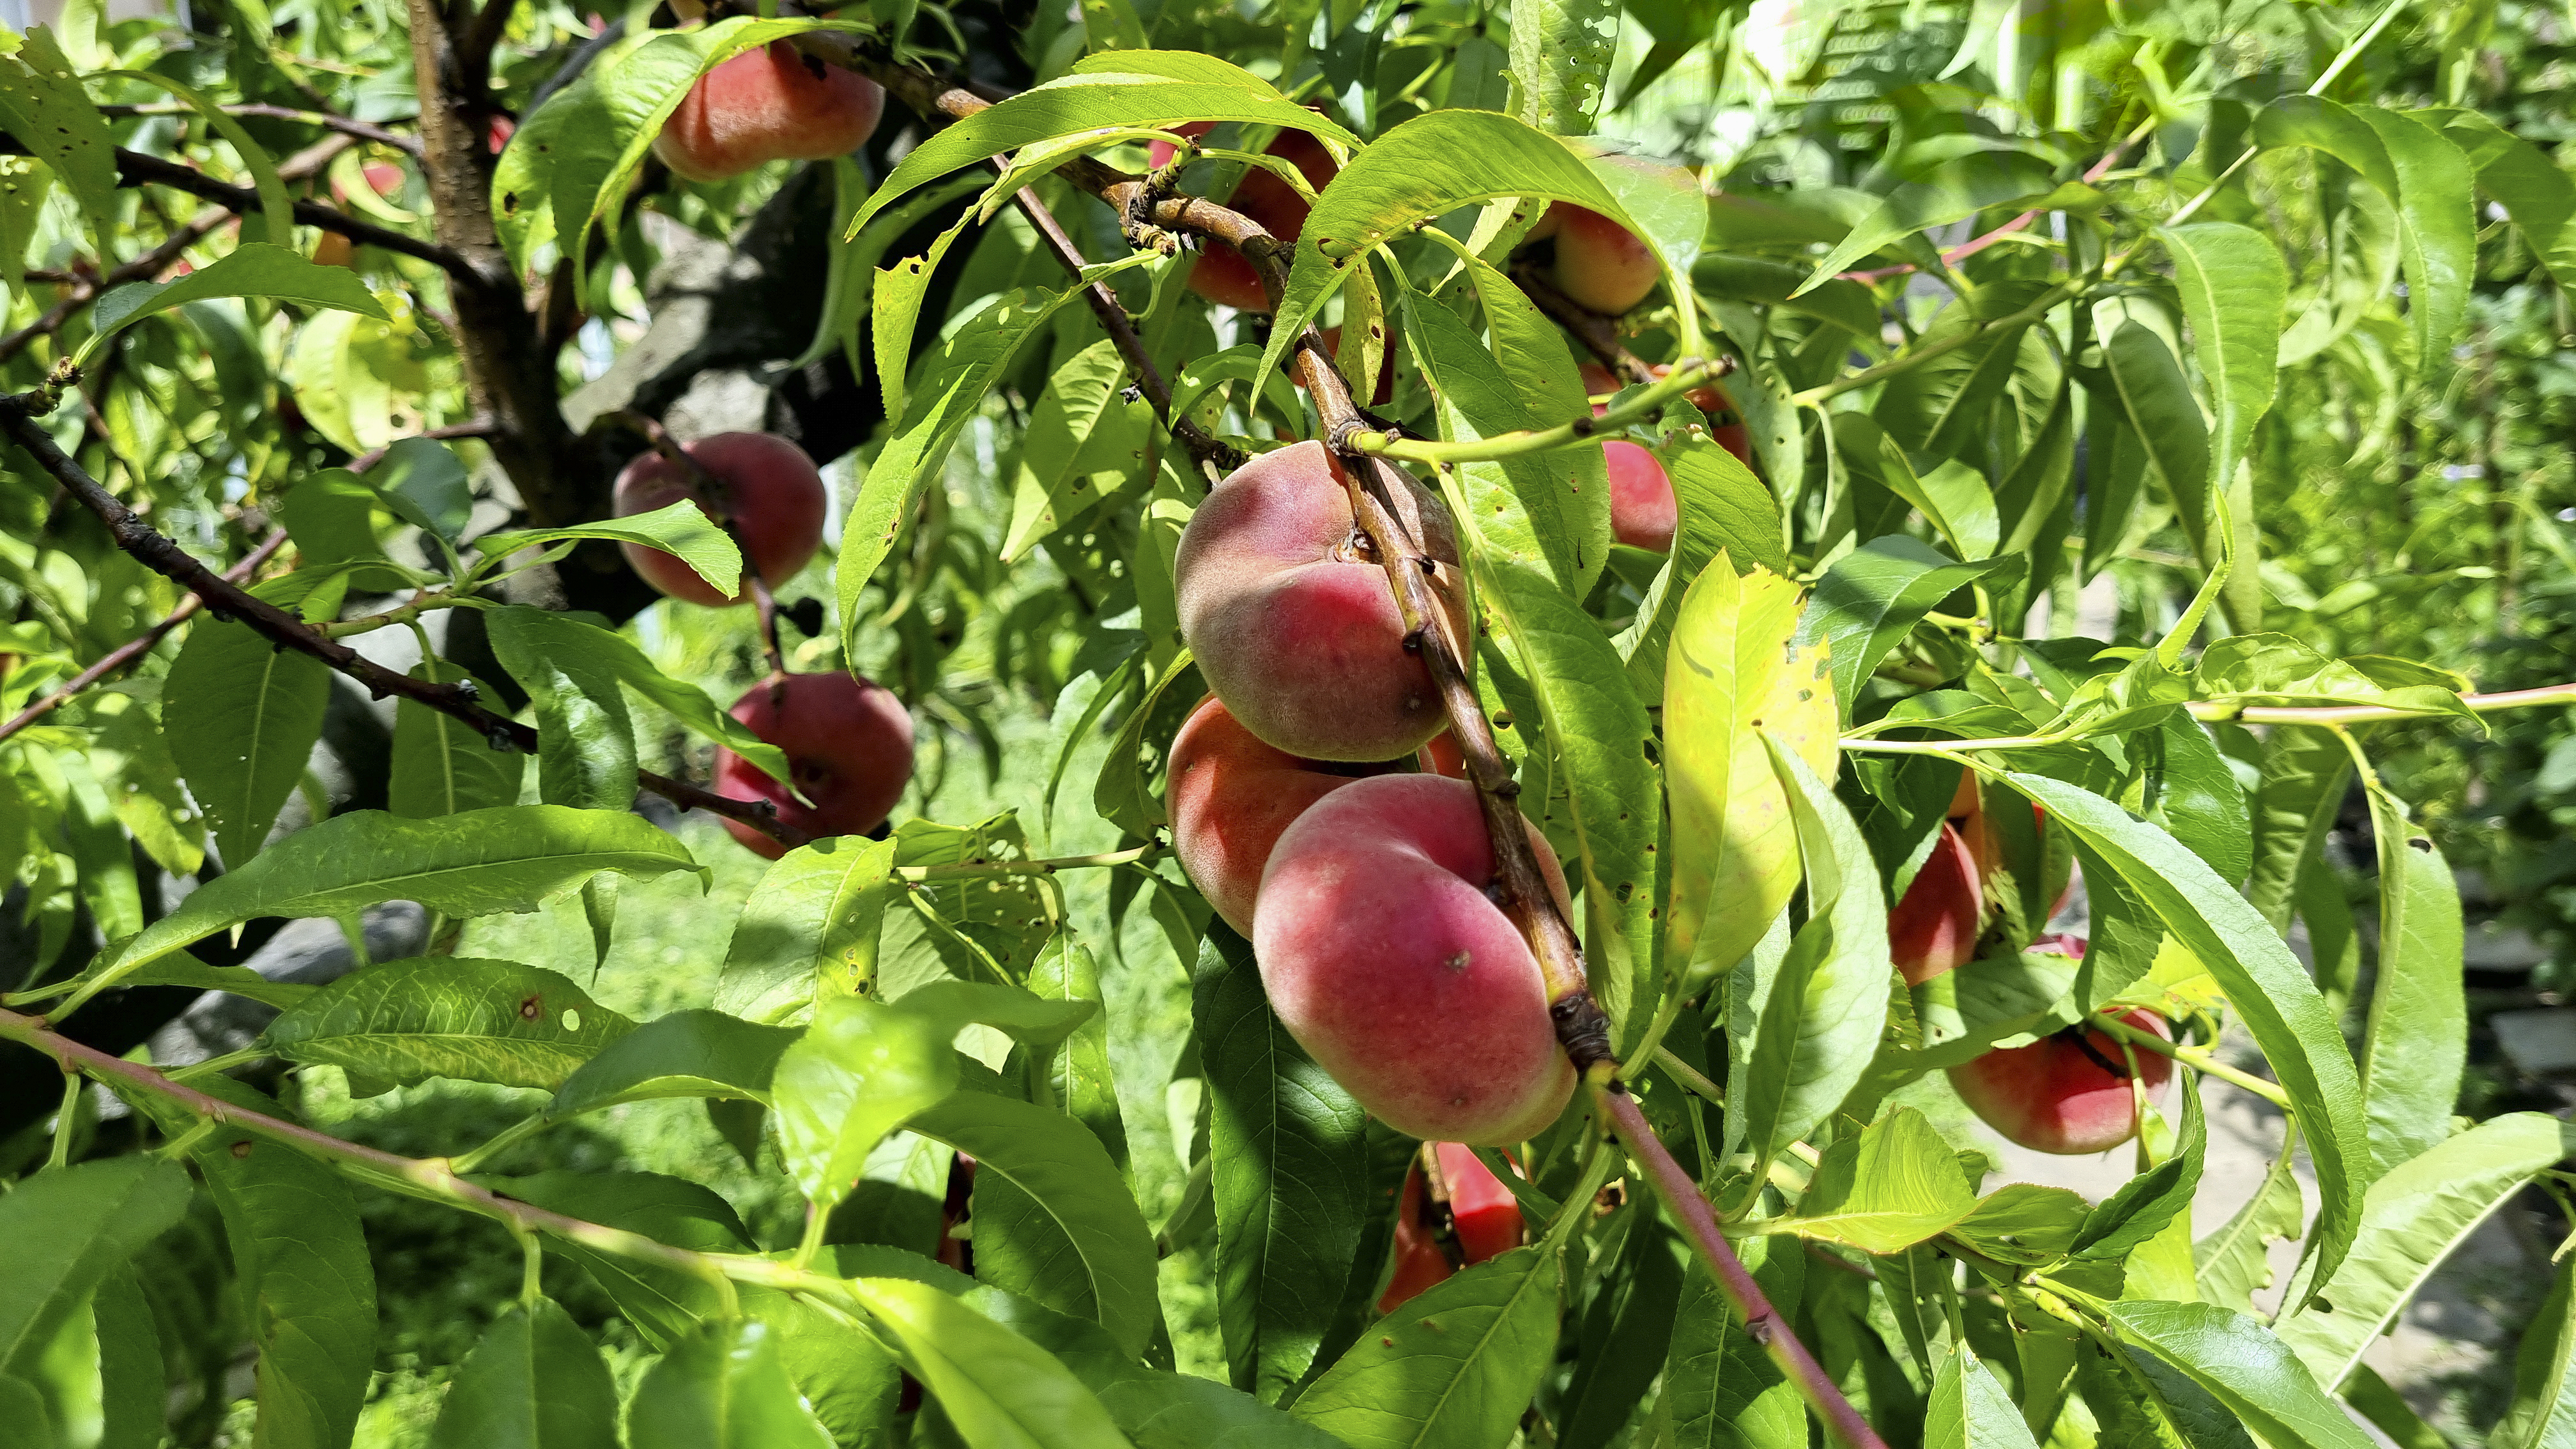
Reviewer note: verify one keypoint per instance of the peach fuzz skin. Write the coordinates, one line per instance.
(1934, 928)
(1485, 1214)
(1221, 274)
(1231, 797)
(777, 507)
(849, 751)
(1385, 959)
(1419, 1263)
(1600, 265)
(768, 104)
(1294, 630)
(2050, 1097)
(1643, 512)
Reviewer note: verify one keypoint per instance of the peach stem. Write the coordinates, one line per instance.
(2199, 1059)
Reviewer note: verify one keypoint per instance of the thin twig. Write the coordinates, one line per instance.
(142, 269)
(1598, 334)
(328, 121)
(156, 551)
(1967, 249)
(134, 168)
(1689, 1210)
(479, 428)
(1214, 457)
(141, 644)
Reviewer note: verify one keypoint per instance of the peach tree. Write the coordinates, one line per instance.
(1429, 700)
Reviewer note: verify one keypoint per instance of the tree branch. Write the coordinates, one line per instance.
(142, 269)
(328, 121)
(134, 168)
(1598, 334)
(140, 645)
(1690, 1211)
(156, 551)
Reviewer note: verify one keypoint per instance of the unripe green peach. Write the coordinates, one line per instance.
(1385, 958)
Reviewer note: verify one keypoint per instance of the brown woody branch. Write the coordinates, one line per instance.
(1598, 334)
(346, 126)
(227, 600)
(141, 644)
(134, 168)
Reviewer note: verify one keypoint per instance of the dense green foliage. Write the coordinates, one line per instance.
(2156, 412)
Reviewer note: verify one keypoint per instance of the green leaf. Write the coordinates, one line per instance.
(1000, 1390)
(1538, 510)
(816, 915)
(693, 1053)
(45, 106)
(276, 212)
(1070, 1236)
(2416, 1046)
(2543, 1411)
(1560, 66)
(2245, 1369)
(1723, 1389)
(1726, 513)
(1735, 660)
(301, 1259)
(722, 1387)
(242, 716)
(665, 1304)
(1872, 597)
(2412, 1219)
(1969, 1408)
(2522, 178)
(2167, 420)
(1595, 727)
(681, 530)
(2024, 1223)
(1078, 1072)
(585, 739)
(68, 1228)
(1817, 1028)
(2304, 774)
(1626, 1331)
(1289, 1153)
(1964, 1013)
(862, 1069)
(1895, 1185)
(950, 1006)
(533, 1381)
(134, 1376)
(2438, 236)
(253, 269)
(1093, 101)
(563, 639)
(449, 1016)
(1952, 191)
(1455, 1365)
(2263, 981)
(1181, 1411)
(512, 858)
(2235, 1261)
(2147, 1203)
(1429, 165)
(2232, 284)
(845, 1374)
(440, 764)
(949, 387)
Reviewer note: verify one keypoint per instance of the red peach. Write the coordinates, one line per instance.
(1295, 629)
(1221, 274)
(849, 751)
(498, 134)
(1643, 512)
(770, 104)
(1442, 756)
(776, 505)
(1387, 961)
(1725, 424)
(2056, 1094)
(1600, 265)
(1484, 1212)
(1231, 796)
(1934, 928)
(1419, 1263)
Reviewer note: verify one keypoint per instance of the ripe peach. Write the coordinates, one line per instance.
(1221, 274)
(849, 751)
(1643, 511)
(1484, 1212)
(1599, 265)
(1387, 961)
(1293, 625)
(1442, 756)
(1968, 814)
(1934, 928)
(2068, 1093)
(770, 104)
(1725, 424)
(1419, 1263)
(1231, 796)
(776, 504)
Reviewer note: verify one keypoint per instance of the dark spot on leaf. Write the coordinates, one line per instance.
(241, 1149)
(531, 1008)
